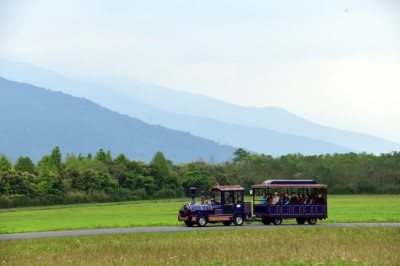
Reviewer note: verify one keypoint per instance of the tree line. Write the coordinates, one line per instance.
(100, 177)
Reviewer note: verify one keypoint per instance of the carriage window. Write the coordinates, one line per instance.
(229, 197)
(216, 196)
(238, 197)
(233, 197)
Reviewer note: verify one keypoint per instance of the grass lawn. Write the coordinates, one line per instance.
(95, 215)
(348, 208)
(364, 208)
(305, 246)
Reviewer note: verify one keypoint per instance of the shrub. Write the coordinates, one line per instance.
(99, 196)
(165, 193)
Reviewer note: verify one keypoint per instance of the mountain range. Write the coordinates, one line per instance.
(268, 130)
(35, 120)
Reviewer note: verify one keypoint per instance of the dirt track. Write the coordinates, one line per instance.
(158, 229)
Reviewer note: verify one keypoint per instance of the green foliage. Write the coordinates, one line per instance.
(102, 178)
(89, 180)
(196, 178)
(24, 164)
(48, 185)
(13, 182)
(240, 156)
(4, 164)
(55, 158)
(166, 193)
(161, 168)
(104, 157)
(46, 168)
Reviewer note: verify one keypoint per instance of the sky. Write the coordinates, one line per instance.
(336, 63)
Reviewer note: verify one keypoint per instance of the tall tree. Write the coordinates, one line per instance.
(104, 157)
(240, 155)
(56, 158)
(4, 164)
(24, 164)
(161, 168)
(166, 179)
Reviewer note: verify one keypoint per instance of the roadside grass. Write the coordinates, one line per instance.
(303, 246)
(94, 215)
(342, 208)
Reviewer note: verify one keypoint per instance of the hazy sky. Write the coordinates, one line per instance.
(334, 62)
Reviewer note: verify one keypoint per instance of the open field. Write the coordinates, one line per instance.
(306, 246)
(364, 208)
(348, 208)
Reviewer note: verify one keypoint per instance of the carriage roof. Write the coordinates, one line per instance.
(227, 188)
(290, 183)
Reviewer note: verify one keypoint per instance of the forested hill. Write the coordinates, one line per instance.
(34, 120)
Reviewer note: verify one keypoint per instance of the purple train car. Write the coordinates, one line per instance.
(226, 205)
(273, 201)
(303, 200)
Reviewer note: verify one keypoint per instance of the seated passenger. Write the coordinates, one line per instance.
(314, 198)
(293, 197)
(264, 199)
(297, 200)
(307, 199)
(320, 199)
(269, 199)
(303, 197)
(285, 199)
(275, 199)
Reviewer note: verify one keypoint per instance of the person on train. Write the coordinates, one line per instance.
(264, 199)
(285, 199)
(275, 199)
(270, 199)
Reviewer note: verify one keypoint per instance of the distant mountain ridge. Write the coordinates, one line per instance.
(35, 120)
(272, 118)
(268, 130)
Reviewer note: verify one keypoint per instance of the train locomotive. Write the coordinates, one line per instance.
(226, 204)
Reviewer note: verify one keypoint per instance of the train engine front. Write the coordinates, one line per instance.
(194, 213)
(226, 205)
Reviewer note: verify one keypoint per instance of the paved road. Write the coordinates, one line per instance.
(158, 229)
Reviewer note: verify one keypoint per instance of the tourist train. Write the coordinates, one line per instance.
(272, 201)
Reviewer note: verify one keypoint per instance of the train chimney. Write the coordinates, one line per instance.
(193, 191)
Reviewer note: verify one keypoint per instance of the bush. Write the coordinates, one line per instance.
(342, 190)
(99, 196)
(140, 194)
(76, 197)
(366, 187)
(15, 201)
(389, 189)
(165, 193)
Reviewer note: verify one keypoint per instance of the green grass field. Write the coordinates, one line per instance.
(305, 246)
(302, 246)
(349, 208)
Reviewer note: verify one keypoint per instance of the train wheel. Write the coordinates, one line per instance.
(277, 221)
(301, 220)
(312, 221)
(188, 223)
(227, 223)
(238, 220)
(201, 221)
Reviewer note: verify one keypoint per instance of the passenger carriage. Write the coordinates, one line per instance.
(296, 207)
